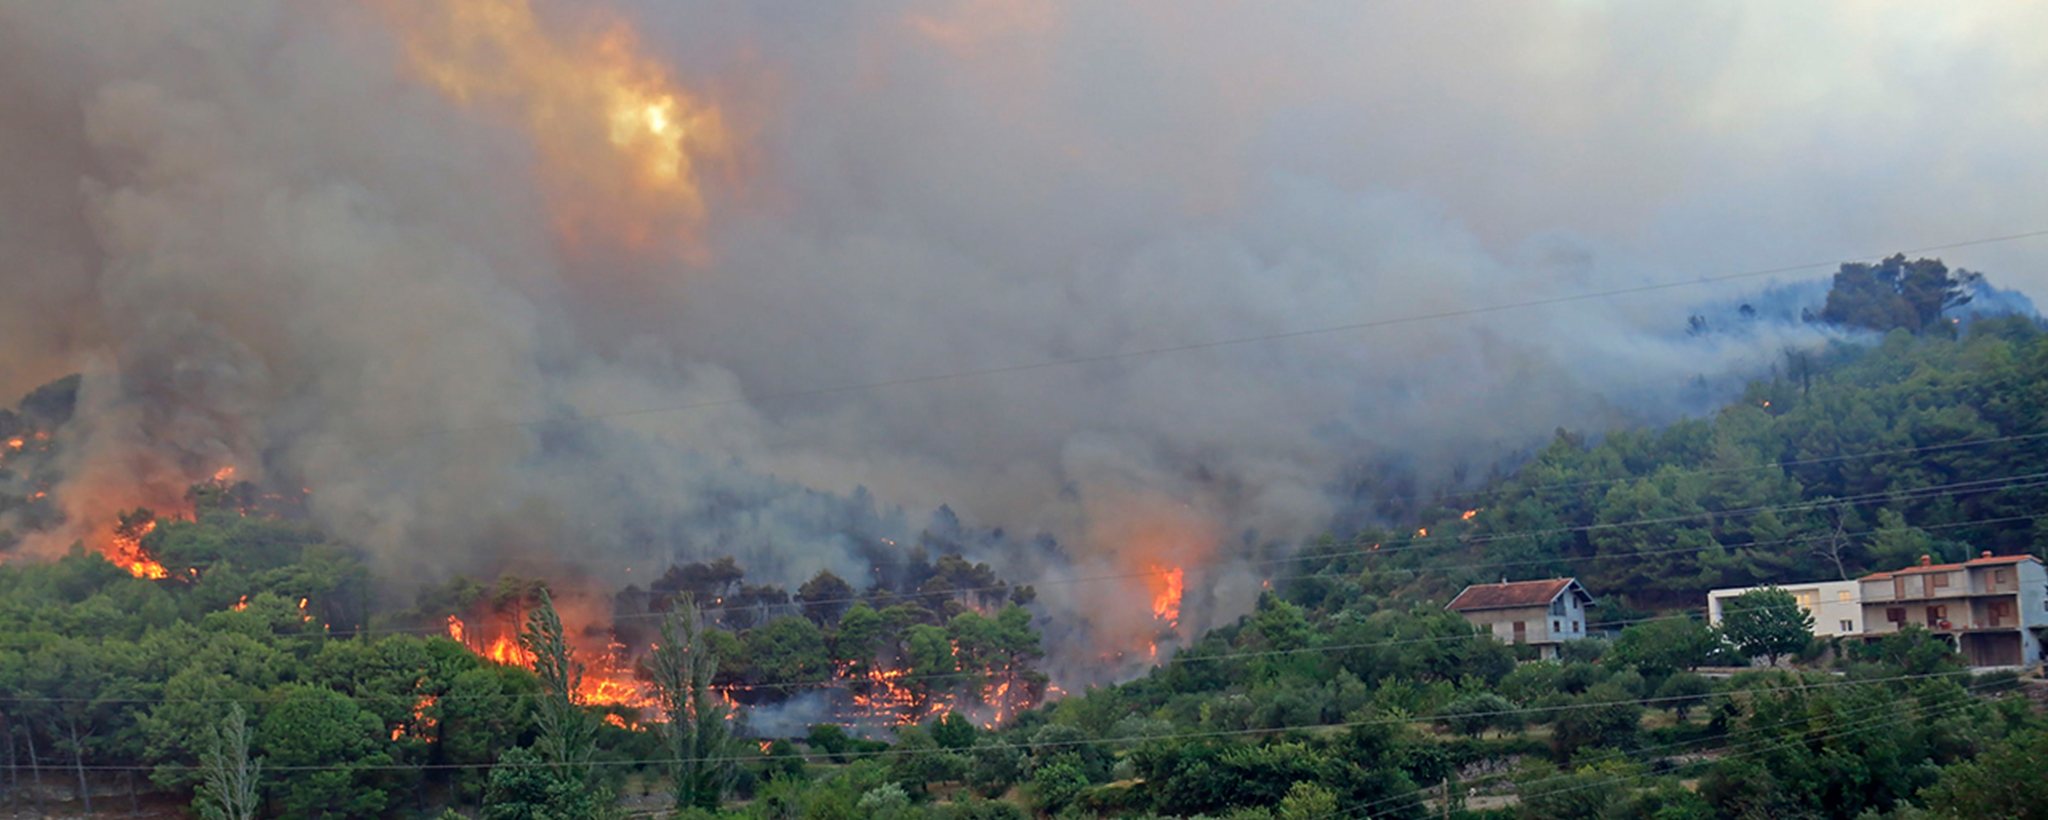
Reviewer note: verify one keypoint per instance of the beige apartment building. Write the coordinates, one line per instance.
(1994, 607)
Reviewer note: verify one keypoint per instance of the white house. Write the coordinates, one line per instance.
(1837, 606)
(1541, 613)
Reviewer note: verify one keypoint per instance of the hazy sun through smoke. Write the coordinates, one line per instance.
(622, 145)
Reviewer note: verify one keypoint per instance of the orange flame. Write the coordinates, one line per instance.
(455, 628)
(125, 551)
(241, 605)
(16, 443)
(224, 475)
(1166, 602)
(621, 144)
(1468, 515)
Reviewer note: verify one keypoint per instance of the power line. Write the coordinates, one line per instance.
(1745, 748)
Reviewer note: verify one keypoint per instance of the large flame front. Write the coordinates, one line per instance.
(622, 144)
(1166, 599)
(125, 550)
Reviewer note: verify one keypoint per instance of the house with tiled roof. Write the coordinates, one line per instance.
(1993, 607)
(1543, 614)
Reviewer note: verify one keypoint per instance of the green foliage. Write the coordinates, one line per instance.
(1605, 716)
(1664, 646)
(1307, 801)
(1895, 294)
(2006, 781)
(525, 787)
(1472, 715)
(683, 665)
(1767, 622)
(1056, 783)
(230, 786)
(567, 732)
(324, 750)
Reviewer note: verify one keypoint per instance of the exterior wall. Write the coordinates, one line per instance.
(2033, 583)
(1567, 618)
(1969, 595)
(1830, 602)
(1535, 620)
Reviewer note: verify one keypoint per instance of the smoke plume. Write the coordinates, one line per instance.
(614, 285)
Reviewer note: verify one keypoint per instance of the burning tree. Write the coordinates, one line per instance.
(683, 665)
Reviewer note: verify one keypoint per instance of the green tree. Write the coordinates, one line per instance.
(229, 789)
(2007, 781)
(1663, 646)
(567, 733)
(325, 749)
(1056, 783)
(825, 598)
(1307, 801)
(683, 666)
(525, 787)
(1767, 622)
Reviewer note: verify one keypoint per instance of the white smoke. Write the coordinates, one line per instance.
(268, 246)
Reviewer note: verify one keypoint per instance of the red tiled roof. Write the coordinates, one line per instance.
(1974, 562)
(1517, 594)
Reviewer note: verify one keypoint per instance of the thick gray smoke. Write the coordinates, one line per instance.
(269, 245)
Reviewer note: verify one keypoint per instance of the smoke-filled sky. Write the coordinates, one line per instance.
(361, 244)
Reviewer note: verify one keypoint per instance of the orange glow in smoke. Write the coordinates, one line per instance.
(224, 475)
(16, 443)
(622, 145)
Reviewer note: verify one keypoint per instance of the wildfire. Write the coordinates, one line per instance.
(241, 605)
(1468, 515)
(607, 677)
(1166, 601)
(1422, 533)
(422, 722)
(621, 143)
(16, 443)
(126, 552)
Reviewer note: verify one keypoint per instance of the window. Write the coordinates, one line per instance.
(1805, 598)
(1895, 614)
(1557, 606)
(1556, 627)
(1521, 632)
(1842, 596)
(1940, 581)
(1849, 626)
(1575, 626)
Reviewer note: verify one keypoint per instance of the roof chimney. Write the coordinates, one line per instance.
(1987, 554)
(1926, 560)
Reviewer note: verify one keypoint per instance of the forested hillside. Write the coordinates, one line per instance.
(1348, 692)
(1846, 460)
